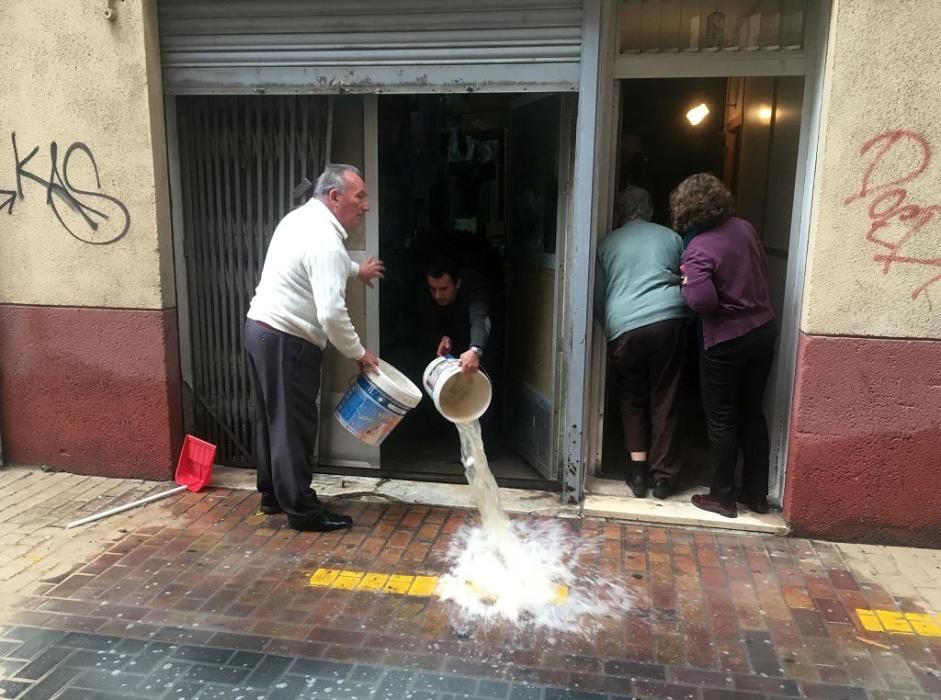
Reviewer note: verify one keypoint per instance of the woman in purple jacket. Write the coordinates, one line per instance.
(725, 281)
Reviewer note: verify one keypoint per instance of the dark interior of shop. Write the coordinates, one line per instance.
(444, 192)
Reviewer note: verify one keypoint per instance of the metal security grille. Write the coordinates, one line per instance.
(241, 159)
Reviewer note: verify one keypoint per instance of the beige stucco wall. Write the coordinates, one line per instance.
(71, 76)
(877, 175)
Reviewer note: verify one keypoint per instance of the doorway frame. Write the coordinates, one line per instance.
(555, 261)
(810, 64)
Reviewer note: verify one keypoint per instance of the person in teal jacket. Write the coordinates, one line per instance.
(638, 300)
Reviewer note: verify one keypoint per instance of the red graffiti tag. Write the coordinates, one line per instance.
(888, 200)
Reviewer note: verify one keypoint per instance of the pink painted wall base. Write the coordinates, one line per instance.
(864, 461)
(91, 391)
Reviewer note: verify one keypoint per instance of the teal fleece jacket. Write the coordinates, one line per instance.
(637, 278)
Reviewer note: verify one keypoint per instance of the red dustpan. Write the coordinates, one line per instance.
(193, 473)
(194, 468)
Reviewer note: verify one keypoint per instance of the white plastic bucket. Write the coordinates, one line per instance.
(461, 397)
(376, 403)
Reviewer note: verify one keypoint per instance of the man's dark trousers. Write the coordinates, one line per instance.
(285, 374)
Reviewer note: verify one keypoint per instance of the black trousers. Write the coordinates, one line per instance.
(733, 375)
(285, 373)
(648, 363)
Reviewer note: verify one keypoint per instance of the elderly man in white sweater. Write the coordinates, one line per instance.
(299, 306)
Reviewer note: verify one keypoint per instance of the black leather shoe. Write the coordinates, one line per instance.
(757, 504)
(638, 484)
(662, 488)
(325, 521)
(269, 504)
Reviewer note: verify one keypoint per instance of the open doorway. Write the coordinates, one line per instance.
(746, 131)
(473, 179)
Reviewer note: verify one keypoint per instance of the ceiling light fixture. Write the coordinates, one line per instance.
(697, 114)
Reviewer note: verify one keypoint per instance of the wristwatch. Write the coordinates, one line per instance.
(477, 351)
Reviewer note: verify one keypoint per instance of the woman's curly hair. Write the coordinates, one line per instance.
(700, 202)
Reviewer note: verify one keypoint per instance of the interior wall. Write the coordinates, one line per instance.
(349, 146)
(753, 162)
(769, 110)
(533, 290)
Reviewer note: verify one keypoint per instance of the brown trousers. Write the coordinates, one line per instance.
(647, 363)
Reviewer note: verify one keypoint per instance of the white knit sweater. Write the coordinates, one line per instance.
(303, 283)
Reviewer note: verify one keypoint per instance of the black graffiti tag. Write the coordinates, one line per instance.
(62, 192)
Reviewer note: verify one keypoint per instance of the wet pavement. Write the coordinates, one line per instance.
(204, 597)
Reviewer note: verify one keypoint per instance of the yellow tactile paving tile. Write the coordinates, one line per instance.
(924, 625)
(869, 620)
(348, 580)
(423, 586)
(373, 582)
(899, 623)
(324, 577)
(398, 584)
(894, 622)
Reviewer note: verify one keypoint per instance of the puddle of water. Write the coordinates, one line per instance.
(523, 571)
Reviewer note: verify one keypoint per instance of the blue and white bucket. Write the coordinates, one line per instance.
(376, 403)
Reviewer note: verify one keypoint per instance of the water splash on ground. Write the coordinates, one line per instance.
(536, 572)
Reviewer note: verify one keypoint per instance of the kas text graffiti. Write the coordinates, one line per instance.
(89, 224)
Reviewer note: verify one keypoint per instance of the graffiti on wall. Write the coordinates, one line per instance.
(89, 215)
(895, 159)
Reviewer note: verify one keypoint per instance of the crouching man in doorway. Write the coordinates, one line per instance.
(459, 319)
(460, 315)
(299, 306)
(638, 300)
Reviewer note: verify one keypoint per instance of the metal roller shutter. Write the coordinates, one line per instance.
(243, 46)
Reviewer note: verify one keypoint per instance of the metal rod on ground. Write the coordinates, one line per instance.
(126, 506)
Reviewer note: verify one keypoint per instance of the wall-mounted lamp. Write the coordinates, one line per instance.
(697, 114)
(764, 114)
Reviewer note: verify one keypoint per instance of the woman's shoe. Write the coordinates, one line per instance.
(638, 483)
(757, 504)
(705, 501)
(662, 488)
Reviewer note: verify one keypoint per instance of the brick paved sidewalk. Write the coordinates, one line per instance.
(204, 597)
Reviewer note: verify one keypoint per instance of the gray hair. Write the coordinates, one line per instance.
(332, 178)
(633, 203)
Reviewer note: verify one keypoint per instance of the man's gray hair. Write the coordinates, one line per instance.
(332, 178)
(633, 203)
